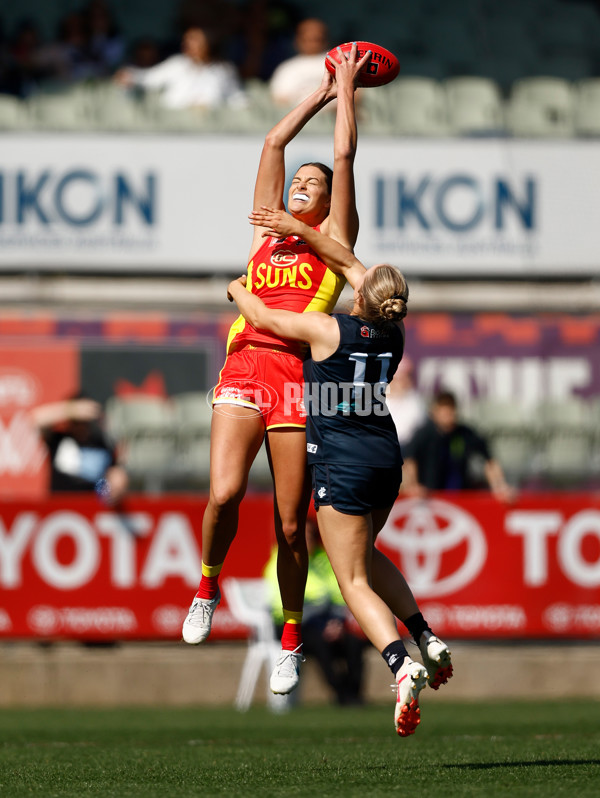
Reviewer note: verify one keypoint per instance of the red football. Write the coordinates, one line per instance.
(381, 69)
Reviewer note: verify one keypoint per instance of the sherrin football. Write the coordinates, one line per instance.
(382, 68)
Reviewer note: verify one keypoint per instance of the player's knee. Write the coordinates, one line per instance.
(293, 534)
(224, 498)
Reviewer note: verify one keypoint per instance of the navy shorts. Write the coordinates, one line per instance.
(354, 490)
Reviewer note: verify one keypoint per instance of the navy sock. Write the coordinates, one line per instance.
(394, 655)
(416, 625)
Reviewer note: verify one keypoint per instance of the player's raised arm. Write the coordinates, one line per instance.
(342, 223)
(338, 258)
(270, 180)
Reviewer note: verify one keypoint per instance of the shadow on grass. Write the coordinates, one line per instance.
(533, 763)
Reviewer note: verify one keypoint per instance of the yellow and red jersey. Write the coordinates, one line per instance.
(286, 274)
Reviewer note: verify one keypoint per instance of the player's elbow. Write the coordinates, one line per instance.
(274, 141)
(344, 153)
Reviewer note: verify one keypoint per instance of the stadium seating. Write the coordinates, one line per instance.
(149, 461)
(507, 43)
(587, 107)
(61, 111)
(542, 106)
(116, 109)
(474, 106)
(567, 460)
(518, 455)
(418, 107)
(13, 113)
(166, 443)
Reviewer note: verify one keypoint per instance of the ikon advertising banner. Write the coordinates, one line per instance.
(72, 568)
(472, 207)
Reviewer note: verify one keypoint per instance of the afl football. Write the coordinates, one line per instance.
(382, 67)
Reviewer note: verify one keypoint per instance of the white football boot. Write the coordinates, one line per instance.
(286, 673)
(436, 658)
(410, 680)
(196, 626)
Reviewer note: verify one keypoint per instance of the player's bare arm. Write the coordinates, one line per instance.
(270, 180)
(342, 222)
(338, 258)
(317, 329)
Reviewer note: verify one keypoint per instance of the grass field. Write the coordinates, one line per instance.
(479, 749)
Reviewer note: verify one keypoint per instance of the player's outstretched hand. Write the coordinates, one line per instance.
(278, 222)
(232, 287)
(328, 85)
(348, 67)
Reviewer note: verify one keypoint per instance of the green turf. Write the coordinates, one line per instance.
(466, 749)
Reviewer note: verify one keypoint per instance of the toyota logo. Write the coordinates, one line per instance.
(440, 546)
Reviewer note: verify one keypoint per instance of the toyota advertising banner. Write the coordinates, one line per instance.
(73, 568)
(476, 207)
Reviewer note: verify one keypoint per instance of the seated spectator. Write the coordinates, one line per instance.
(21, 68)
(194, 78)
(407, 406)
(330, 634)
(106, 46)
(69, 59)
(441, 455)
(81, 456)
(145, 53)
(295, 78)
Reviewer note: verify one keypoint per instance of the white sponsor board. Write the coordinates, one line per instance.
(178, 203)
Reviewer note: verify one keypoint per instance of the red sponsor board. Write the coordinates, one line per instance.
(481, 569)
(73, 568)
(30, 375)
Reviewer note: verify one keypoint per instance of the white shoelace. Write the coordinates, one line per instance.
(201, 613)
(290, 661)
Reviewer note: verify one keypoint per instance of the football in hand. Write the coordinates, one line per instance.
(382, 67)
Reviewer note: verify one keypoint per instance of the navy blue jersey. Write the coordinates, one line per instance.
(348, 420)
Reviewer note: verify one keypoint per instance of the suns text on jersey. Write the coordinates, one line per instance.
(296, 276)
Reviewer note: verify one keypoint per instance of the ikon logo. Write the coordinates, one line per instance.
(442, 548)
(284, 257)
(17, 389)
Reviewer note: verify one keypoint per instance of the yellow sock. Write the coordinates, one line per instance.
(291, 638)
(211, 570)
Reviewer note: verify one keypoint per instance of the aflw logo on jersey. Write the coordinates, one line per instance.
(296, 275)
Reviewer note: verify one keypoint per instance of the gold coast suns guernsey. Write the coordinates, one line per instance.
(286, 274)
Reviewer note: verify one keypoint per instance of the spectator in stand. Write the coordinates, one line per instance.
(441, 455)
(21, 69)
(145, 53)
(82, 458)
(106, 46)
(294, 79)
(68, 59)
(407, 406)
(193, 78)
(330, 633)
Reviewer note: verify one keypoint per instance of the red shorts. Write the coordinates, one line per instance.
(267, 381)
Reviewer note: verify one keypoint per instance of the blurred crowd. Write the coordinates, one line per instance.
(252, 38)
